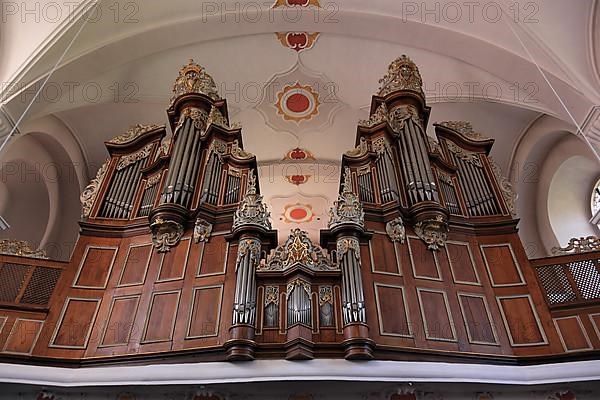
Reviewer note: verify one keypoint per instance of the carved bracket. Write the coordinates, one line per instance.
(202, 231)
(165, 234)
(395, 230)
(434, 232)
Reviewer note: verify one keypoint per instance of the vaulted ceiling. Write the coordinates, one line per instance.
(299, 74)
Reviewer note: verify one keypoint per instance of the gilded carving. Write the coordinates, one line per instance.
(129, 159)
(165, 234)
(434, 145)
(360, 150)
(252, 210)
(248, 246)
(153, 180)
(399, 115)
(297, 282)
(202, 230)
(271, 295)
(298, 249)
(88, 196)
(347, 209)
(194, 79)
(509, 195)
(325, 295)
(199, 118)
(238, 152)
(434, 232)
(402, 74)
(380, 145)
(218, 146)
(20, 248)
(464, 128)
(345, 244)
(133, 133)
(578, 245)
(465, 155)
(395, 230)
(380, 115)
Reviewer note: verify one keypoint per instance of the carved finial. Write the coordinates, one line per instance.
(402, 74)
(347, 209)
(194, 79)
(251, 210)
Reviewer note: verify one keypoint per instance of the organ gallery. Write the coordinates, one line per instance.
(177, 260)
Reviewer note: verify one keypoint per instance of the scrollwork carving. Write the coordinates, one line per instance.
(360, 150)
(345, 244)
(252, 210)
(133, 133)
(402, 74)
(202, 230)
(249, 246)
(464, 128)
(395, 230)
(194, 79)
(129, 159)
(578, 245)
(465, 155)
(271, 295)
(88, 196)
(433, 231)
(399, 115)
(165, 234)
(298, 249)
(380, 115)
(238, 152)
(508, 193)
(20, 248)
(348, 208)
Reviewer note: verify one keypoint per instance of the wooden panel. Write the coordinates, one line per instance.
(75, 323)
(477, 318)
(502, 265)
(136, 265)
(120, 321)
(521, 321)
(572, 333)
(423, 262)
(392, 311)
(213, 259)
(95, 267)
(595, 319)
(161, 317)
(206, 312)
(3, 320)
(435, 310)
(384, 256)
(173, 263)
(23, 336)
(461, 263)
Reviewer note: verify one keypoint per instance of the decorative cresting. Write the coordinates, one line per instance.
(202, 230)
(88, 196)
(129, 159)
(395, 230)
(165, 234)
(194, 79)
(508, 193)
(402, 74)
(353, 298)
(133, 133)
(347, 209)
(464, 128)
(298, 250)
(20, 248)
(578, 245)
(433, 231)
(244, 303)
(252, 211)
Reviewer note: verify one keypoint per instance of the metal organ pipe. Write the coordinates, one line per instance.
(353, 294)
(244, 307)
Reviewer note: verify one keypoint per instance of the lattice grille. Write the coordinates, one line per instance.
(555, 282)
(587, 278)
(41, 286)
(11, 280)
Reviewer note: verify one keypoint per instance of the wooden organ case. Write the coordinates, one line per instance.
(420, 259)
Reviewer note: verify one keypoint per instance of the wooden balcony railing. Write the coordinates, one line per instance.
(570, 279)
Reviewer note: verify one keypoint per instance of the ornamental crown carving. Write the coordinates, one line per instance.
(578, 245)
(20, 248)
(347, 209)
(194, 79)
(402, 74)
(298, 249)
(464, 128)
(133, 133)
(252, 210)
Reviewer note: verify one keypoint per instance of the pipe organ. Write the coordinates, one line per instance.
(420, 258)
